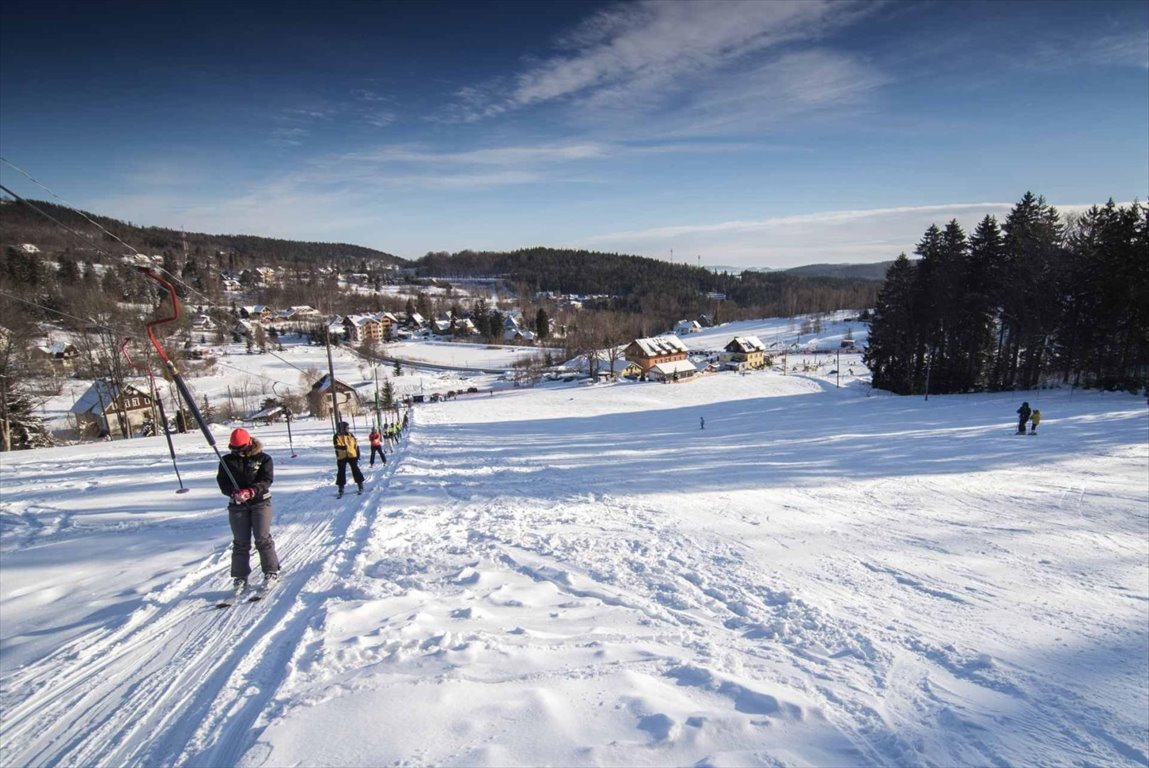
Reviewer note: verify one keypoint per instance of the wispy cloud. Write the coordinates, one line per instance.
(1130, 48)
(948, 210)
(846, 236)
(639, 58)
(289, 136)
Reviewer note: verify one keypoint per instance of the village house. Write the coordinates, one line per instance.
(59, 355)
(299, 312)
(319, 398)
(746, 352)
(687, 326)
(360, 328)
(660, 357)
(259, 312)
(107, 409)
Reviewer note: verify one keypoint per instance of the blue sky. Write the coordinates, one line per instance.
(748, 134)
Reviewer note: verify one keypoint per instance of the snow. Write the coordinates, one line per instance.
(577, 574)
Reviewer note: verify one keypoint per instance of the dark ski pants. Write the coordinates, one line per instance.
(341, 476)
(377, 449)
(248, 521)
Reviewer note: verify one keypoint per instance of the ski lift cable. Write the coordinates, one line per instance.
(89, 219)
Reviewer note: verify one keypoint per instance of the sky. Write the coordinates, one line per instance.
(745, 134)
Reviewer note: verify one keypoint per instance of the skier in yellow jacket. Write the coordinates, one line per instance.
(1034, 420)
(347, 454)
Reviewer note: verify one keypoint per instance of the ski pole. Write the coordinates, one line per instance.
(181, 385)
(158, 401)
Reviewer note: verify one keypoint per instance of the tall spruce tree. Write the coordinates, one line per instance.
(894, 343)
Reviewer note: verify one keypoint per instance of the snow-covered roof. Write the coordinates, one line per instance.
(661, 345)
(746, 344)
(101, 390)
(673, 367)
(360, 320)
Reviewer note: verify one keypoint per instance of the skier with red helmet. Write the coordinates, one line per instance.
(249, 510)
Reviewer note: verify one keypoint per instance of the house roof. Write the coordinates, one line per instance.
(324, 385)
(746, 344)
(661, 345)
(673, 367)
(360, 320)
(103, 389)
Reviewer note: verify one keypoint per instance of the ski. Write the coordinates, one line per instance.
(263, 591)
(231, 599)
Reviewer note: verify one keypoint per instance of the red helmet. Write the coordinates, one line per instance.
(239, 438)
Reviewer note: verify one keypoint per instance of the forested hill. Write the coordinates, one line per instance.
(660, 291)
(20, 223)
(568, 271)
(640, 284)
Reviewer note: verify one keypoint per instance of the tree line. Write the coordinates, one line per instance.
(1037, 300)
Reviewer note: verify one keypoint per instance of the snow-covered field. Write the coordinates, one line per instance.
(581, 575)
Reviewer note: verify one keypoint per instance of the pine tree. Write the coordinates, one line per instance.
(894, 344)
(1036, 274)
(542, 324)
(22, 428)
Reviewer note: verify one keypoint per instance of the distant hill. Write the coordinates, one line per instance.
(19, 223)
(845, 271)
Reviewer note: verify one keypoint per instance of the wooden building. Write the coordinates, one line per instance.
(319, 399)
(108, 410)
(746, 352)
(657, 350)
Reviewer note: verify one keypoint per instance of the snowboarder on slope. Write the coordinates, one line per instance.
(1023, 414)
(347, 454)
(1034, 420)
(376, 446)
(249, 508)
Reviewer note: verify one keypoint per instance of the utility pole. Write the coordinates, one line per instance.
(331, 376)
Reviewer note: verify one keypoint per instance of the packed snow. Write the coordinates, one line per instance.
(778, 568)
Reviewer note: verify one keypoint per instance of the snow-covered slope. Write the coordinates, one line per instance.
(581, 575)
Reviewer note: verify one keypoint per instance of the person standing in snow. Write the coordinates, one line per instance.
(1034, 420)
(376, 446)
(347, 454)
(701, 422)
(249, 508)
(1023, 414)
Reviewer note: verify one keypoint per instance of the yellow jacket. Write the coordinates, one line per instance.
(1035, 419)
(346, 446)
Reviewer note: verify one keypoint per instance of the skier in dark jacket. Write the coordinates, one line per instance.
(249, 510)
(1022, 417)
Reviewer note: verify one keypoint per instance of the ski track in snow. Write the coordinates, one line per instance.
(562, 582)
(181, 681)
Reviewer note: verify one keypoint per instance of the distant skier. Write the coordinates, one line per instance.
(701, 422)
(376, 446)
(347, 454)
(249, 510)
(1023, 414)
(1034, 420)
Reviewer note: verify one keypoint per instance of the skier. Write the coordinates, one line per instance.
(701, 422)
(1034, 420)
(347, 453)
(249, 510)
(376, 446)
(1023, 414)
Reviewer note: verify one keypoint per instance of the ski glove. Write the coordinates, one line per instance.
(243, 495)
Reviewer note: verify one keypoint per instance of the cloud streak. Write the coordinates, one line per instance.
(847, 236)
(654, 57)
